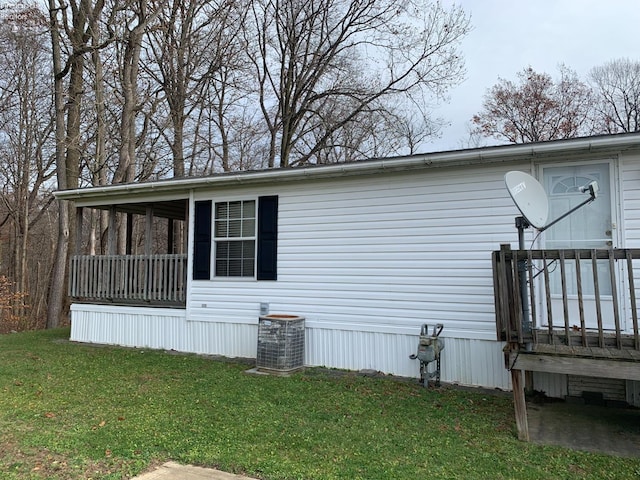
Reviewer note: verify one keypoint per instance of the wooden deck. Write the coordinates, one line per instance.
(129, 279)
(517, 325)
(576, 330)
(576, 360)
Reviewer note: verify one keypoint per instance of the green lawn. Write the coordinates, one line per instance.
(71, 411)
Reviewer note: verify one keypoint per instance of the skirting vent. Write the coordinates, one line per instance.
(280, 343)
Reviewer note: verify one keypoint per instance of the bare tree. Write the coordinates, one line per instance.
(26, 129)
(135, 21)
(69, 27)
(617, 90)
(411, 127)
(194, 40)
(536, 108)
(308, 56)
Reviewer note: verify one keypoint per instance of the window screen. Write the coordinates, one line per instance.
(235, 238)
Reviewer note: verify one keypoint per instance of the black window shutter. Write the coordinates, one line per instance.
(202, 241)
(267, 238)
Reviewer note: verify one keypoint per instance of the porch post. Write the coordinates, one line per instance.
(111, 238)
(148, 232)
(129, 246)
(184, 230)
(78, 245)
(170, 235)
(148, 245)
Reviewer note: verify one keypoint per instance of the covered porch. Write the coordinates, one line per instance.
(566, 311)
(142, 261)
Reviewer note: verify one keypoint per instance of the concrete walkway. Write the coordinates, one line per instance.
(174, 471)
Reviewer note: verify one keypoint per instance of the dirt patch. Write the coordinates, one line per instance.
(42, 463)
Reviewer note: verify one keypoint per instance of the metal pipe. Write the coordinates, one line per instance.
(521, 225)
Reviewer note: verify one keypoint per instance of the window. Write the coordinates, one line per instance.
(244, 235)
(235, 238)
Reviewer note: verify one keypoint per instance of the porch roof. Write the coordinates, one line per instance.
(172, 209)
(172, 192)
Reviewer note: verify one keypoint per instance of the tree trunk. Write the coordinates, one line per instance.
(177, 147)
(56, 293)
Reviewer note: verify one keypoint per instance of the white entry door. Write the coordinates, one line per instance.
(589, 227)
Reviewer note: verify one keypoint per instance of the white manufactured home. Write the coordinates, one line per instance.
(366, 252)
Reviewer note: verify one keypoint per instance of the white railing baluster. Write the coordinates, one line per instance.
(129, 278)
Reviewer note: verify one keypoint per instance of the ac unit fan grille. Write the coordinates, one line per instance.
(280, 343)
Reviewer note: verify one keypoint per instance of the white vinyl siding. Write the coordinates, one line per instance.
(380, 254)
(630, 183)
(630, 228)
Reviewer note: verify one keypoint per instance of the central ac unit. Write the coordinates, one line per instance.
(280, 343)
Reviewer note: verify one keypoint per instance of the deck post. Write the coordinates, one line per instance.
(520, 404)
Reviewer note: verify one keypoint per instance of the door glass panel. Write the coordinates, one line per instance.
(587, 227)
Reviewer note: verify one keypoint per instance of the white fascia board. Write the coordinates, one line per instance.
(88, 197)
(179, 188)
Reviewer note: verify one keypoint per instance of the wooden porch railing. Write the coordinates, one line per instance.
(572, 328)
(148, 279)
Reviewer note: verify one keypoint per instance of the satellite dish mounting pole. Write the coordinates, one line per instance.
(521, 225)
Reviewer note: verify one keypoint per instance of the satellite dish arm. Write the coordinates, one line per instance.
(593, 190)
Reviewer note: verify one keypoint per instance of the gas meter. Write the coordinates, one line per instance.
(429, 348)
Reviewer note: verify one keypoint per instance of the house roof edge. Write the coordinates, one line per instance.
(488, 155)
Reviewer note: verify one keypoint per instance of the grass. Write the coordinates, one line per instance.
(70, 411)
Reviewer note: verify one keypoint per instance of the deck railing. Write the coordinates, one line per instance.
(147, 279)
(572, 296)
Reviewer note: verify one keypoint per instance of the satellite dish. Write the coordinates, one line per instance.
(529, 197)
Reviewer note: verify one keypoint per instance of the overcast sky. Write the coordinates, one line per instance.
(510, 35)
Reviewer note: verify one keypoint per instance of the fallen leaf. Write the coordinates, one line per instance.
(50, 415)
(107, 453)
